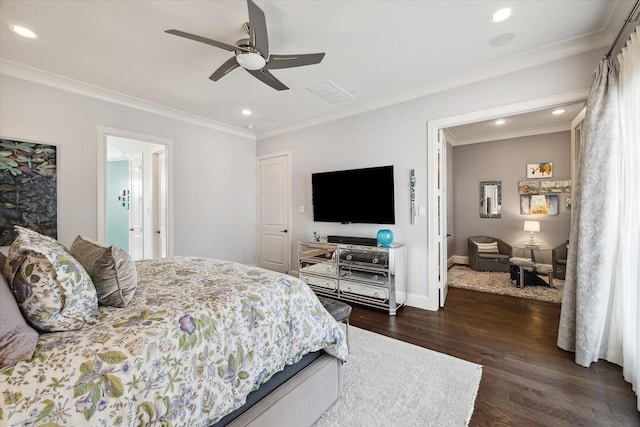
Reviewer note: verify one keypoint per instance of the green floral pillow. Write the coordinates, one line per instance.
(53, 290)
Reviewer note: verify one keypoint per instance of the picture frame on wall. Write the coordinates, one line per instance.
(561, 186)
(538, 204)
(528, 187)
(540, 170)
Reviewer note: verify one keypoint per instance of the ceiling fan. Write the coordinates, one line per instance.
(252, 53)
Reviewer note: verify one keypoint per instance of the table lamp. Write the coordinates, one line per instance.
(531, 227)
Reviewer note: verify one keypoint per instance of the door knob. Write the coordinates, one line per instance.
(284, 231)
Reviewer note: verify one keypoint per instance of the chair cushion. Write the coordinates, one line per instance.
(493, 256)
(338, 309)
(487, 248)
(18, 340)
(111, 268)
(52, 288)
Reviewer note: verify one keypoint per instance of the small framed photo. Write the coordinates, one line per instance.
(528, 187)
(539, 170)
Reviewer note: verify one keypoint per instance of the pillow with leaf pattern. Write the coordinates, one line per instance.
(53, 290)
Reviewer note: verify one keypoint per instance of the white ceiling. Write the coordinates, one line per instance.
(382, 52)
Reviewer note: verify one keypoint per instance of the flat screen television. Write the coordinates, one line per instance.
(354, 196)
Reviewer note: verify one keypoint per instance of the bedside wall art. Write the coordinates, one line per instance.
(29, 197)
(539, 170)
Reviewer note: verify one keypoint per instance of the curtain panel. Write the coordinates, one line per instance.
(599, 317)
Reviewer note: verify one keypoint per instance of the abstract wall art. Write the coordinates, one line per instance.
(28, 184)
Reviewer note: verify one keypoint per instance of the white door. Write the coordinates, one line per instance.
(160, 205)
(274, 207)
(576, 142)
(136, 212)
(441, 195)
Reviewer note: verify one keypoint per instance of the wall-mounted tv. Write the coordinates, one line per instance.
(354, 196)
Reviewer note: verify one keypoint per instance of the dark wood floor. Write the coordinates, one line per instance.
(526, 379)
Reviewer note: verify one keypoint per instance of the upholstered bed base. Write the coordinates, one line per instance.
(301, 400)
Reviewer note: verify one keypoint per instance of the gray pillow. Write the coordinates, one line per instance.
(111, 268)
(17, 339)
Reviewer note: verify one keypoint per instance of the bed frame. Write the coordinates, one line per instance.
(301, 400)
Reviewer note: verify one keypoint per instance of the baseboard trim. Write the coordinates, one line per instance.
(458, 259)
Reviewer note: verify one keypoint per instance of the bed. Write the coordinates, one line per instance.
(197, 337)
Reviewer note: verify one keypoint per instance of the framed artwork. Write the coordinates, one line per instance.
(29, 197)
(528, 187)
(539, 170)
(538, 204)
(555, 186)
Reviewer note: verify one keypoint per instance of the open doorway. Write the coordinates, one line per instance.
(134, 197)
(435, 146)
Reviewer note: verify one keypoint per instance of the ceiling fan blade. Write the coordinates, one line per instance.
(289, 61)
(225, 46)
(228, 66)
(268, 78)
(258, 29)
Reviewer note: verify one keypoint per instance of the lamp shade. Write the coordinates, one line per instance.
(532, 226)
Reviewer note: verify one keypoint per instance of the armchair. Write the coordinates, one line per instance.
(559, 260)
(484, 257)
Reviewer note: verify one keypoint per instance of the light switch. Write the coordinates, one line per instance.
(422, 211)
(301, 209)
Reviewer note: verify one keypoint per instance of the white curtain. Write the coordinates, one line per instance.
(600, 316)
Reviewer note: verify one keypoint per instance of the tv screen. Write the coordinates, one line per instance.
(354, 196)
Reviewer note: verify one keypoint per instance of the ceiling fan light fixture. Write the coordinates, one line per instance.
(251, 61)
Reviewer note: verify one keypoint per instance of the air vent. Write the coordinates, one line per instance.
(330, 92)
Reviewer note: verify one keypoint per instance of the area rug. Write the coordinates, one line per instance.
(461, 276)
(392, 383)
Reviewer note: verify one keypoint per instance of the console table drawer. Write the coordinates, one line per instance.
(322, 282)
(347, 286)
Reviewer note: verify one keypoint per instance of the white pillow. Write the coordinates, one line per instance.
(488, 248)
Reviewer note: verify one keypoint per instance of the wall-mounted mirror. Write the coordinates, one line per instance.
(491, 199)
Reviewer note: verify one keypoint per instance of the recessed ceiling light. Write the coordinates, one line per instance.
(558, 111)
(246, 112)
(500, 15)
(499, 122)
(22, 31)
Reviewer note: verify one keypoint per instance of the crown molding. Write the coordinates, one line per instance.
(560, 127)
(34, 75)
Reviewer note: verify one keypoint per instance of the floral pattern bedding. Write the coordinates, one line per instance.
(198, 336)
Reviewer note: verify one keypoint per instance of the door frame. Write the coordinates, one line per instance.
(433, 127)
(103, 132)
(288, 155)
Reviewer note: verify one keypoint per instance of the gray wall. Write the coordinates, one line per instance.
(397, 135)
(505, 161)
(214, 179)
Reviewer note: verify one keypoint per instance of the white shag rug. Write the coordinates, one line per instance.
(392, 383)
(461, 276)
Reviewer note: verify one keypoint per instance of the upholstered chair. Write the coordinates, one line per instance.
(488, 253)
(559, 260)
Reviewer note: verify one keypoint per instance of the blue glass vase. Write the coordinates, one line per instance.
(385, 237)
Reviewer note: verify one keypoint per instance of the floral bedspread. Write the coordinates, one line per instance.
(198, 336)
